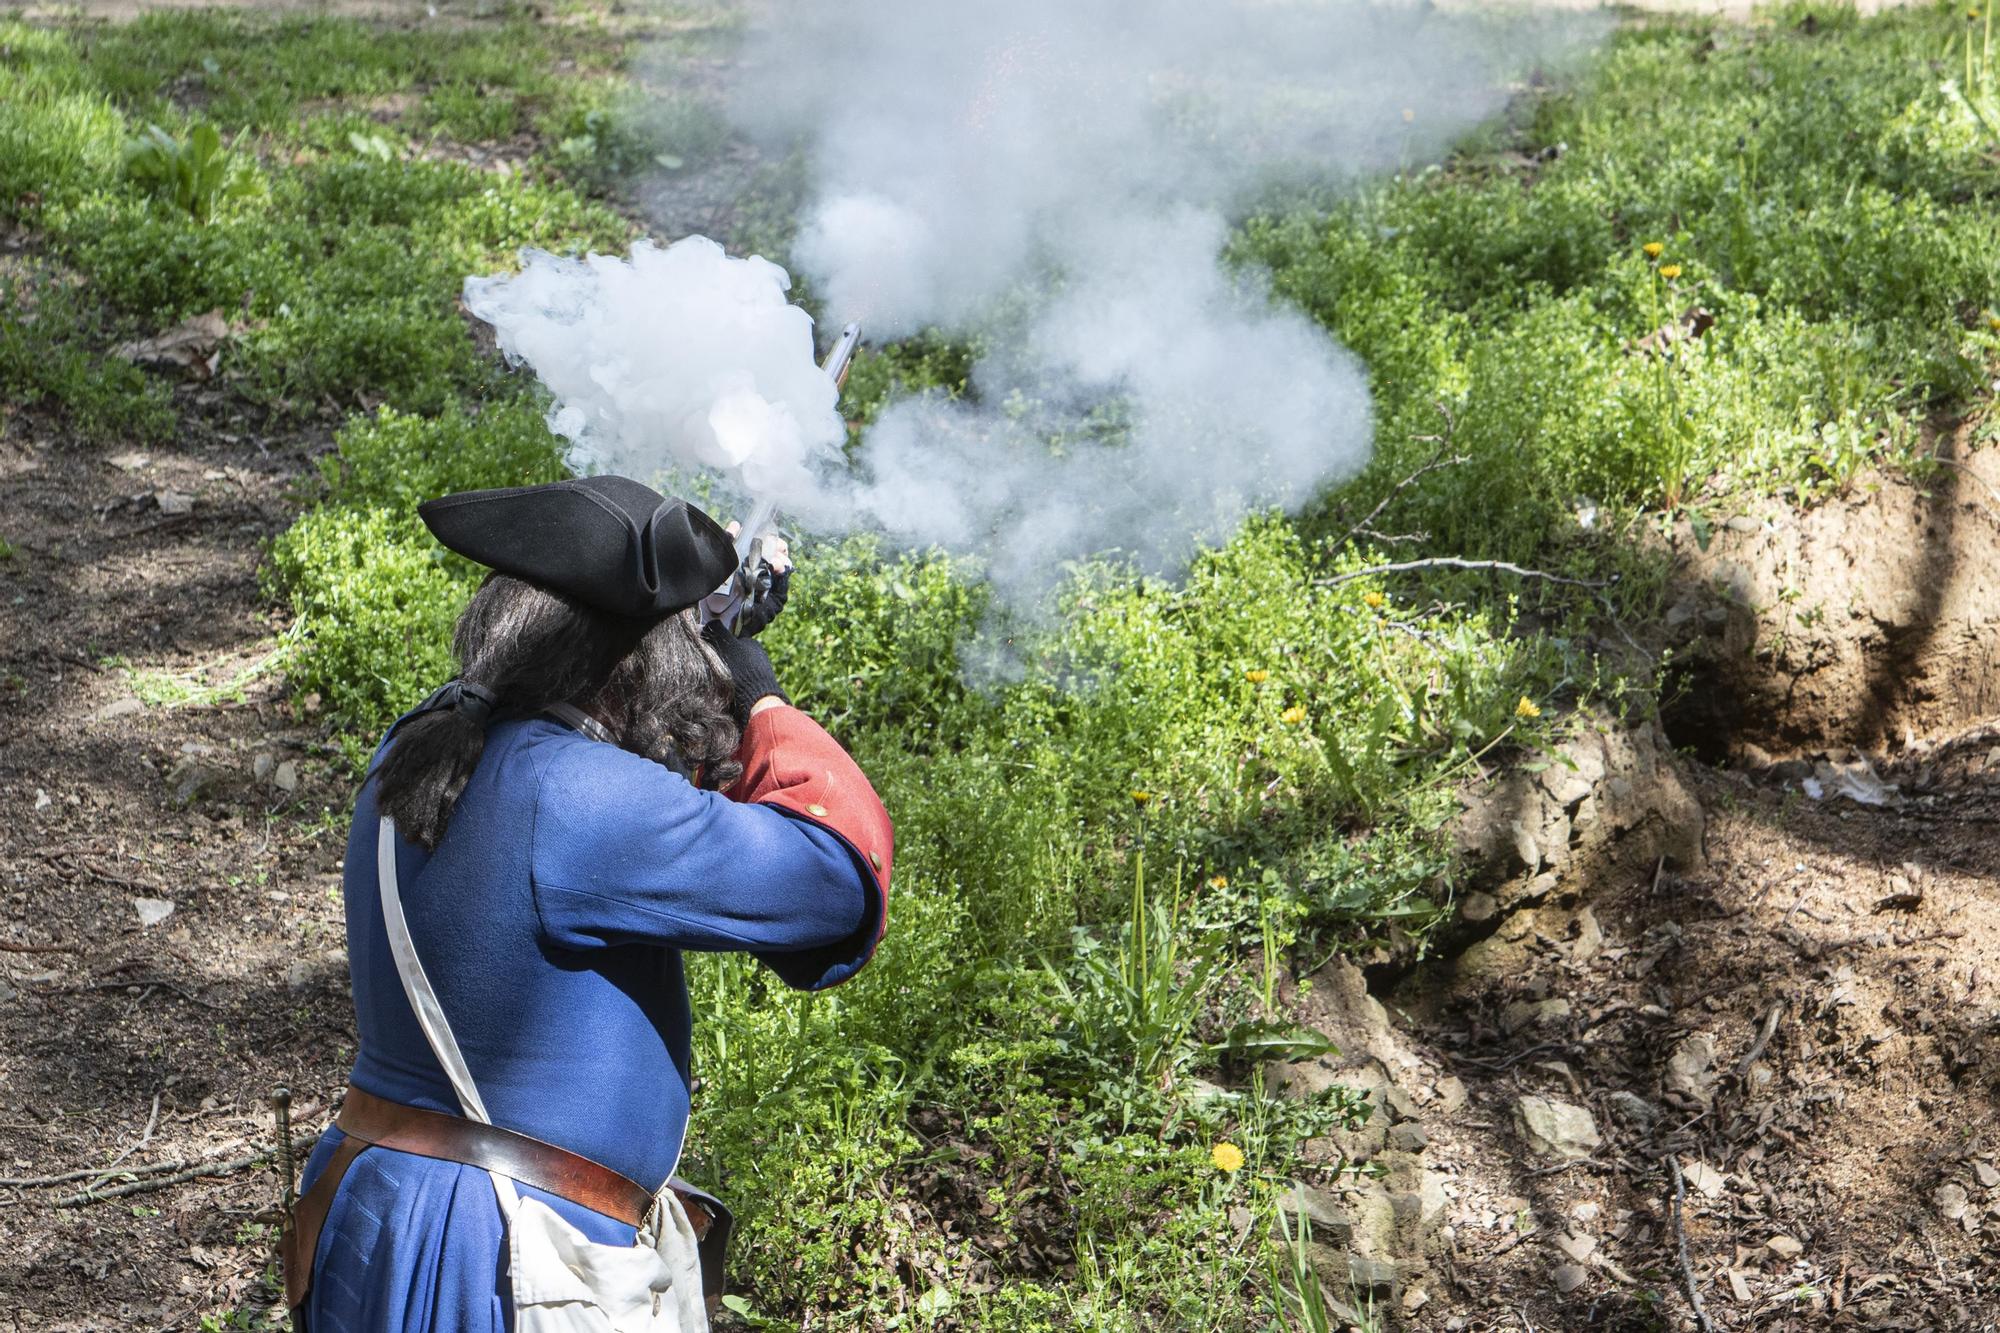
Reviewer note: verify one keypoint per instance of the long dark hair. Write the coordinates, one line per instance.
(655, 686)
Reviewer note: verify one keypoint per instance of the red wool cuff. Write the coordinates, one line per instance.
(789, 761)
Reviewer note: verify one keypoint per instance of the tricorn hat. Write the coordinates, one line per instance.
(609, 542)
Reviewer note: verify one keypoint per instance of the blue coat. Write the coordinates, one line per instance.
(551, 921)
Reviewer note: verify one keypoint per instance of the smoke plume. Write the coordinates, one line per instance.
(681, 358)
(1054, 179)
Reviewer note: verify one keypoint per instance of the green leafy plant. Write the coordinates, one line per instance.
(194, 174)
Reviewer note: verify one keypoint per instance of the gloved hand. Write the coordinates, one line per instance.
(768, 598)
(749, 667)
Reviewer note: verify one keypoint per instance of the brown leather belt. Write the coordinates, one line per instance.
(369, 1121)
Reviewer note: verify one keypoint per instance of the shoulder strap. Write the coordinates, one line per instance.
(416, 986)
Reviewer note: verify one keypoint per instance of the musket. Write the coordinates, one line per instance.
(753, 577)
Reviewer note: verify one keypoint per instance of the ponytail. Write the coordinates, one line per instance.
(427, 767)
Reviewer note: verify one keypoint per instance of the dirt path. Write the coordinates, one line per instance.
(120, 1042)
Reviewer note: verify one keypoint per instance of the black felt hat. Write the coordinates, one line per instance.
(610, 542)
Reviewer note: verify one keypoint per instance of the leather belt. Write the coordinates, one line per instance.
(370, 1121)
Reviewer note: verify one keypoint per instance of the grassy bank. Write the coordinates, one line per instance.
(1728, 261)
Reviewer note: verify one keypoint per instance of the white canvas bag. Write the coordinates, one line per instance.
(564, 1282)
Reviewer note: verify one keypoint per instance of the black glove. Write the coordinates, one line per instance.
(767, 598)
(749, 667)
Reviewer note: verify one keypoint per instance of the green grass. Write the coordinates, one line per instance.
(1171, 783)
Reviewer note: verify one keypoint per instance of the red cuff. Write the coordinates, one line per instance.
(789, 761)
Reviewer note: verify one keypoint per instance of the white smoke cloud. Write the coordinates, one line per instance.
(1079, 159)
(680, 357)
(1056, 178)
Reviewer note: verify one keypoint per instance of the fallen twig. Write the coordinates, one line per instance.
(87, 1197)
(9, 946)
(1459, 562)
(153, 1169)
(1763, 1039)
(1680, 1239)
(1436, 462)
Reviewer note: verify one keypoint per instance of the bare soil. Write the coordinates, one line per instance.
(124, 1044)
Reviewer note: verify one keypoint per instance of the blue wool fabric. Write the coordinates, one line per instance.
(551, 921)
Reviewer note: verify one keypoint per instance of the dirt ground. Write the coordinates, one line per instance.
(126, 1046)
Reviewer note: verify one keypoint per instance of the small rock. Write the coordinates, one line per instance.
(1703, 1179)
(1479, 907)
(1556, 1129)
(1744, 523)
(1451, 1094)
(173, 503)
(298, 975)
(286, 776)
(1374, 1279)
(1739, 1287)
(1321, 1211)
(1537, 1013)
(1585, 1212)
(1569, 1277)
(1785, 1247)
(1578, 1248)
(129, 462)
(117, 708)
(1415, 1299)
(1690, 1069)
(187, 779)
(1988, 1176)
(1589, 941)
(1951, 1201)
(43, 800)
(262, 766)
(1633, 1109)
(1408, 1136)
(152, 911)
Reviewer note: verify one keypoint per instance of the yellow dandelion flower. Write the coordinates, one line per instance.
(1292, 716)
(1993, 322)
(1226, 1156)
(1256, 675)
(1526, 708)
(1142, 796)
(1218, 881)
(1670, 271)
(1653, 249)
(1375, 600)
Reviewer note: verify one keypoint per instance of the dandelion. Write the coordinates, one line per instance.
(1227, 1157)
(1256, 675)
(1526, 708)
(1653, 249)
(1292, 716)
(1670, 271)
(1218, 881)
(1375, 600)
(1141, 797)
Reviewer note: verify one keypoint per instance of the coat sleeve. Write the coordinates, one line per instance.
(791, 764)
(627, 852)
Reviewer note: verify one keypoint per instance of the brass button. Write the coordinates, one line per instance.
(817, 811)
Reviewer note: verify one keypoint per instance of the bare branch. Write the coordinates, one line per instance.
(1458, 562)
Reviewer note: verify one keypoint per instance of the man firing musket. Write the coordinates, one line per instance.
(607, 782)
